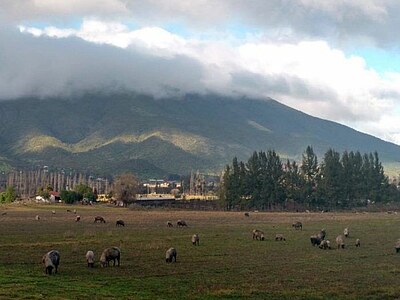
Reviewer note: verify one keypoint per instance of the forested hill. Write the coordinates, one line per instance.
(109, 134)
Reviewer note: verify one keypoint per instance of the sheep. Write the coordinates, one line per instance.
(279, 237)
(397, 246)
(322, 234)
(195, 239)
(346, 232)
(181, 223)
(246, 214)
(120, 223)
(109, 254)
(99, 219)
(37, 218)
(325, 244)
(258, 235)
(53, 212)
(315, 240)
(3, 213)
(170, 255)
(51, 261)
(358, 243)
(297, 225)
(77, 218)
(169, 224)
(68, 210)
(75, 211)
(340, 242)
(90, 258)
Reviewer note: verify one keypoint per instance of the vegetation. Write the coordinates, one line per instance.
(112, 134)
(340, 181)
(81, 191)
(228, 264)
(8, 196)
(125, 188)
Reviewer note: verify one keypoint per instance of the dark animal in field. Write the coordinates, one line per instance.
(77, 218)
(258, 235)
(68, 210)
(339, 242)
(195, 239)
(315, 240)
(120, 223)
(297, 225)
(279, 237)
(3, 213)
(90, 258)
(346, 232)
(325, 244)
(51, 261)
(181, 223)
(358, 243)
(109, 254)
(170, 255)
(99, 219)
(246, 214)
(169, 224)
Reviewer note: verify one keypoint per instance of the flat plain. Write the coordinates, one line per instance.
(227, 264)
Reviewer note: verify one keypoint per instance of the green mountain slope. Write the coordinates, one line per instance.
(108, 134)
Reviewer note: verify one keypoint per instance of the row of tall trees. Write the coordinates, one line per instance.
(339, 181)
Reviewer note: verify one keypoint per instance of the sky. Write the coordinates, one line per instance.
(337, 60)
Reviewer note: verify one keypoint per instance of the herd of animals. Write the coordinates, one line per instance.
(51, 260)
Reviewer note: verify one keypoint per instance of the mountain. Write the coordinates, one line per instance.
(109, 134)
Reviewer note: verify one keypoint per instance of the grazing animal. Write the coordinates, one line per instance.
(195, 239)
(322, 234)
(297, 225)
(397, 246)
(99, 219)
(169, 224)
(51, 261)
(109, 254)
(258, 235)
(315, 240)
(246, 214)
(346, 232)
(279, 237)
(74, 211)
(358, 243)
(170, 255)
(90, 258)
(120, 223)
(181, 223)
(77, 218)
(325, 244)
(339, 242)
(68, 210)
(53, 212)
(3, 213)
(37, 218)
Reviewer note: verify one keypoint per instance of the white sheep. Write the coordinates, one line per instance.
(51, 261)
(346, 232)
(358, 243)
(258, 235)
(109, 254)
(90, 258)
(37, 218)
(170, 255)
(195, 239)
(339, 242)
(77, 218)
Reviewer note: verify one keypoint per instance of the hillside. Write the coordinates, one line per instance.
(108, 134)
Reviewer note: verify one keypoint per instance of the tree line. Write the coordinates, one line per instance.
(340, 181)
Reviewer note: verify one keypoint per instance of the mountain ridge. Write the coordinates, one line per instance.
(103, 133)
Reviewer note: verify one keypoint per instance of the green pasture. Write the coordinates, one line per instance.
(228, 264)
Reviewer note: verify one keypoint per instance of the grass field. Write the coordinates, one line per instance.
(228, 264)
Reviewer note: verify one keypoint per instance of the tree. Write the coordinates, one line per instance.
(125, 188)
(8, 196)
(86, 192)
(310, 171)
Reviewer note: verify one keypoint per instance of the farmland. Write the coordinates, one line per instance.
(228, 264)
